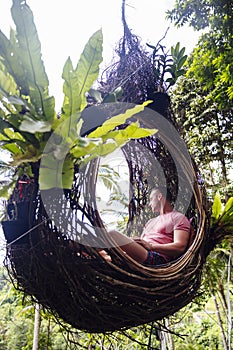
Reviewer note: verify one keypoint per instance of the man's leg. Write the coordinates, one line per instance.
(130, 247)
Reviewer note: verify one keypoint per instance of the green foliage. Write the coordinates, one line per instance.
(202, 103)
(199, 335)
(167, 66)
(179, 60)
(27, 110)
(17, 322)
(203, 99)
(78, 81)
(214, 14)
(28, 122)
(217, 207)
(215, 271)
(111, 97)
(29, 50)
(113, 182)
(214, 281)
(207, 132)
(195, 327)
(63, 150)
(215, 73)
(214, 49)
(222, 216)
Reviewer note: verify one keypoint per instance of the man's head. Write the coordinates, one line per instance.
(158, 197)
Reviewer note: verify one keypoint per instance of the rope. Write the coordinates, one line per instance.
(26, 233)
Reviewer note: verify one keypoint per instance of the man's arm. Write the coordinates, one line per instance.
(174, 249)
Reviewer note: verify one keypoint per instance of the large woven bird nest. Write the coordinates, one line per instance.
(74, 281)
(71, 279)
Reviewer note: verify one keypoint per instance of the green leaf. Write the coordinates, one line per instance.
(180, 72)
(151, 46)
(227, 215)
(110, 142)
(229, 205)
(79, 81)
(117, 120)
(9, 145)
(4, 142)
(87, 70)
(29, 51)
(171, 81)
(16, 100)
(11, 59)
(216, 207)
(7, 82)
(70, 89)
(69, 128)
(176, 49)
(32, 126)
(10, 104)
(96, 94)
(101, 150)
(230, 92)
(3, 125)
(31, 154)
(49, 108)
(13, 136)
(54, 173)
(132, 131)
(180, 53)
(82, 149)
(4, 191)
(181, 62)
(14, 123)
(114, 96)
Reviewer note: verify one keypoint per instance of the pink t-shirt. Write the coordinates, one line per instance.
(161, 229)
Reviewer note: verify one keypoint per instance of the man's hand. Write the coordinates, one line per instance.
(143, 243)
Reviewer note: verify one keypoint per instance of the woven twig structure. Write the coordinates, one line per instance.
(79, 286)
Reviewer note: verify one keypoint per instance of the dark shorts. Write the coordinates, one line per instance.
(154, 259)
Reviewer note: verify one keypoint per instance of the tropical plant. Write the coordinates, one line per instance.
(137, 75)
(112, 190)
(202, 14)
(222, 216)
(30, 129)
(207, 132)
(203, 99)
(168, 64)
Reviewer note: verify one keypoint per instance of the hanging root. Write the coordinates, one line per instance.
(133, 72)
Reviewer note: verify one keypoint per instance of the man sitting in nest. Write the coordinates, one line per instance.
(164, 238)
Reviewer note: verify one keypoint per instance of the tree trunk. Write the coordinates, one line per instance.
(222, 157)
(229, 320)
(36, 327)
(166, 339)
(220, 323)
